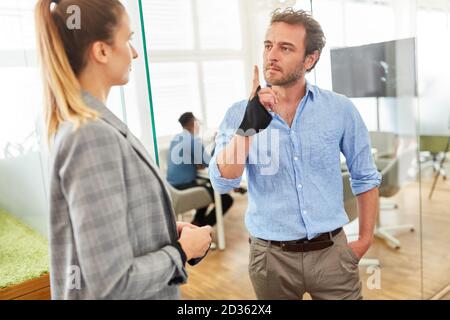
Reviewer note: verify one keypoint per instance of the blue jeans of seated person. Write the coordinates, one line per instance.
(201, 217)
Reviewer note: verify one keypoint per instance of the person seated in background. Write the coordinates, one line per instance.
(187, 155)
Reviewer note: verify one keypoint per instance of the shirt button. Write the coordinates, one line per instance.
(295, 158)
(304, 212)
(300, 186)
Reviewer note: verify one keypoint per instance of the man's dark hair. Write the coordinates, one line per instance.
(315, 38)
(186, 118)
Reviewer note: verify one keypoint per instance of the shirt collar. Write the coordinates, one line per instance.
(187, 133)
(308, 92)
(309, 89)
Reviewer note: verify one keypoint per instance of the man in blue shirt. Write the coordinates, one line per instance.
(186, 155)
(289, 137)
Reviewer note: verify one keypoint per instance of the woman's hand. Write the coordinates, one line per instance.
(195, 242)
(181, 225)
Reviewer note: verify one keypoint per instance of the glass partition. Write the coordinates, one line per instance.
(370, 57)
(385, 48)
(389, 57)
(192, 64)
(434, 129)
(23, 182)
(23, 147)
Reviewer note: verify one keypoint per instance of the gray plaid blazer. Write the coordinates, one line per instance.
(111, 219)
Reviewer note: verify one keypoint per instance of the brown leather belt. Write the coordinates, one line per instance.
(322, 241)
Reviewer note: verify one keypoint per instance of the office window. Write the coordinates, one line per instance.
(433, 52)
(300, 4)
(330, 15)
(17, 24)
(18, 75)
(429, 22)
(23, 166)
(168, 24)
(223, 83)
(368, 22)
(174, 91)
(10, 27)
(19, 111)
(219, 24)
(196, 59)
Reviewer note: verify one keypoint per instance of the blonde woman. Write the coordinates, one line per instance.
(113, 234)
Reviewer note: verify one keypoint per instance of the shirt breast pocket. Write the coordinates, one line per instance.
(324, 150)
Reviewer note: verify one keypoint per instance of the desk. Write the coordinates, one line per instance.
(219, 214)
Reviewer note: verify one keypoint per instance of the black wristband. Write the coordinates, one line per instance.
(195, 261)
(256, 117)
(177, 245)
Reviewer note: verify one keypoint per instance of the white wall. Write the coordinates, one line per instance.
(23, 191)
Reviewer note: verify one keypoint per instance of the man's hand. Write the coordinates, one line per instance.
(181, 225)
(255, 83)
(267, 96)
(368, 207)
(257, 116)
(360, 247)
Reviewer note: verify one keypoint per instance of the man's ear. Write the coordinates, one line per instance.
(100, 51)
(311, 59)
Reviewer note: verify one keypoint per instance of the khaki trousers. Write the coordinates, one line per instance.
(328, 274)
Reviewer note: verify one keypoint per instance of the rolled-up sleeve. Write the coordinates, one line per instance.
(355, 145)
(227, 129)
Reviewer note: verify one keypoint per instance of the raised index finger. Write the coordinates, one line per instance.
(255, 81)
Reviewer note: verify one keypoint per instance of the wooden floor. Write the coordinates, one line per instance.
(223, 274)
(34, 289)
(446, 297)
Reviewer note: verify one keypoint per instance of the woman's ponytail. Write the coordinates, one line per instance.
(62, 55)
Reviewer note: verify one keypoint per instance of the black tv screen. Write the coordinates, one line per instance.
(385, 69)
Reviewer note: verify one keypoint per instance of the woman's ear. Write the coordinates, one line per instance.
(100, 52)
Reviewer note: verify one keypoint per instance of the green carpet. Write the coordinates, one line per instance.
(23, 252)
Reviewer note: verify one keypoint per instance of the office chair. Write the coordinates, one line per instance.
(190, 199)
(386, 143)
(440, 170)
(388, 188)
(184, 201)
(351, 208)
(431, 148)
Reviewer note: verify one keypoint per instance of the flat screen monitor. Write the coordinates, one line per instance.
(385, 69)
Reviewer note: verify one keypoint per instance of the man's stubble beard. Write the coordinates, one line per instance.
(291, 78)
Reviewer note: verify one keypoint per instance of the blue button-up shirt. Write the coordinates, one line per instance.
(294, 173)
(185, 153)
